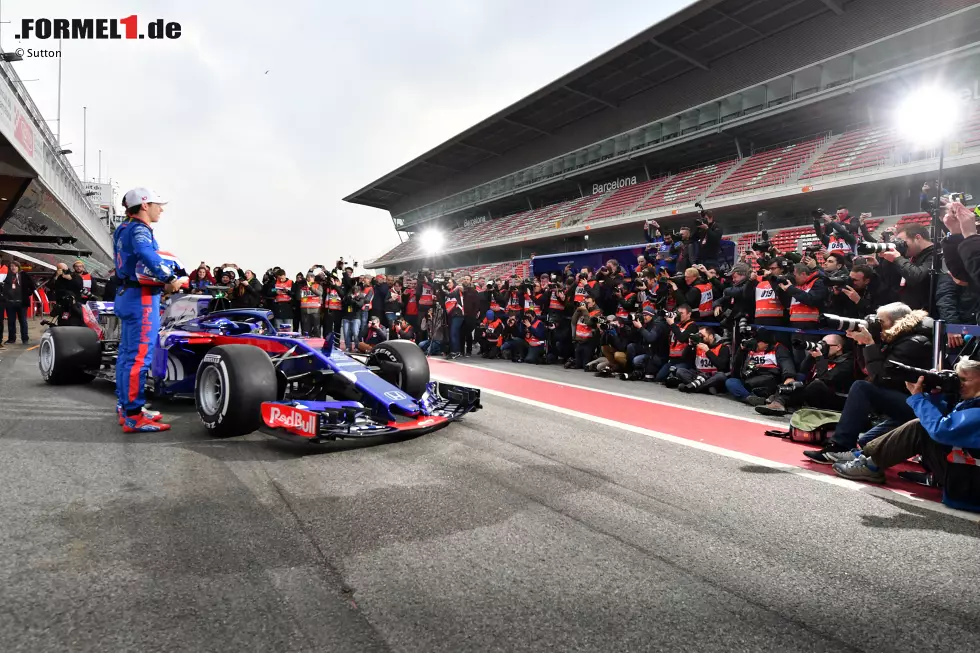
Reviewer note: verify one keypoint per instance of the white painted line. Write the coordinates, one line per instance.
(880, 492)
(770, 424)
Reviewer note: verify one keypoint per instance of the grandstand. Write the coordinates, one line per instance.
(763, 111)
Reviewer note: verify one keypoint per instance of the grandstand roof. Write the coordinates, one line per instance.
(689, 40)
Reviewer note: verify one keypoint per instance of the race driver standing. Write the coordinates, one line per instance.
(143, 276)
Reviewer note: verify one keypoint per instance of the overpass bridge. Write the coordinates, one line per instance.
(45, 215)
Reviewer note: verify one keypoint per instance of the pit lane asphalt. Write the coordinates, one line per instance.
(517, 530)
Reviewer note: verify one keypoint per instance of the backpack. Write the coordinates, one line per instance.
(810, 426)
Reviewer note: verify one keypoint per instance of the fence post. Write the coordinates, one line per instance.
(939, 344)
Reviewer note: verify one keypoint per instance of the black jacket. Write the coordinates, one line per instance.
(909, 341)
(837, 373)
(21, 292)
(914, 290)
(957, 304)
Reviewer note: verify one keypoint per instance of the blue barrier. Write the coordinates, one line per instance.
(963, 330)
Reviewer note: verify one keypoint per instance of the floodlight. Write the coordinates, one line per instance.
(928, 115)
(432, 241)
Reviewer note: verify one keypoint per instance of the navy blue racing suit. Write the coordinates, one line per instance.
(137, 305)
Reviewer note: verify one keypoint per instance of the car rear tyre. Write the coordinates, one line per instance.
(68, 355)
(413, 377)
(232, 382)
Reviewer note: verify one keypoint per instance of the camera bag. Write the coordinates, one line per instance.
(810, 426)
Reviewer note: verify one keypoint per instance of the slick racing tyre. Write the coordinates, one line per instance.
(413, 375)
(69, 354)
(232, 382)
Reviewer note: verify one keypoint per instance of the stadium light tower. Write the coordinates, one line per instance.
(432, 241)
(927, 117)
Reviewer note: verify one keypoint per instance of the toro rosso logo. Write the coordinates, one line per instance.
(292, 420)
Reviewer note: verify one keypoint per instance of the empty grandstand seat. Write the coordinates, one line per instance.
(623, 201)
(854, 150)
(770, 168)
(686, 187)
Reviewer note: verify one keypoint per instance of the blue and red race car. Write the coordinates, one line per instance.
(245, 376)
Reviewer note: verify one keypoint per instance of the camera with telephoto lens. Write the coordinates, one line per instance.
(946, 381)
(781, 279)
(762, 245)
(669, 315)
(878, 248)
(695, 339)
(837, 281)
(808, 346)
(790, 388)
(818, 213)
(840, 323)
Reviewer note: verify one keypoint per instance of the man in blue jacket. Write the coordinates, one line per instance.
(947, 440)
(143, 275)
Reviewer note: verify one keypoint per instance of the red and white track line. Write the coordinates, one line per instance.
(698, 428)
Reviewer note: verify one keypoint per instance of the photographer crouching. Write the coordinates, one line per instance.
(824, 378)
(945, 432)
(712, 362)
(681, 350)
(899, 335)
(757, 369)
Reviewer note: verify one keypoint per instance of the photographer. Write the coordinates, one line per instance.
(245, 290)
(615, 337)
(947, 436)
(709, 234)
(910, 275)
(834, 234)
(403, 330)
(535, 335)
(424, 291)
(333, 304)
(451, 297)
(490, 336)
(901, 335)
(687, 250)
(757, 369)
(375, 334)
(712, 362)
(585, 321)
(351, 306)
(651, 334)
(512, 297)
(957, 303)
(66, 287)
(825, 376)
(860, 297)
(393, 305)
(471, 313)
(808, 296)
(513, 339)
(278, 292)
(585, 286)
(559, 317)
(680, 351)
(311, 298)
(700, 288)
(736, 299)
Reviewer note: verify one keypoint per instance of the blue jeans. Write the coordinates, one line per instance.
(736, 388)
(431, 347)
(864, 399)
(534, 354)
(456, 334)
(665, 370)
(390, 317)
(351, 328)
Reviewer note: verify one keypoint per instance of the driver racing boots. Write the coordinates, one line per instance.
(152, 415)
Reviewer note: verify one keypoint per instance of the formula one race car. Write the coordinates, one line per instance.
(244, 375)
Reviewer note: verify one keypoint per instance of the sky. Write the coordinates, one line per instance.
(262, 116)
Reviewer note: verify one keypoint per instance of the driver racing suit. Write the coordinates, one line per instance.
(138, 308)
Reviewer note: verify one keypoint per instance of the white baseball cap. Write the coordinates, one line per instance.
(141, 196)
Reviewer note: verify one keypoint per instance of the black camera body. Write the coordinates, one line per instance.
(839, 281)
(790, 388)
(808, 346)
(945, 380)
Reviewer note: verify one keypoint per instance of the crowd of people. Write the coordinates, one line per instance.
(777, 331)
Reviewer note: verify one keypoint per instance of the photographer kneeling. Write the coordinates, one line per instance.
(901, 335)
(712, 361)
(760, 365)
(681, 350)
(827, 372)
(948, 440)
